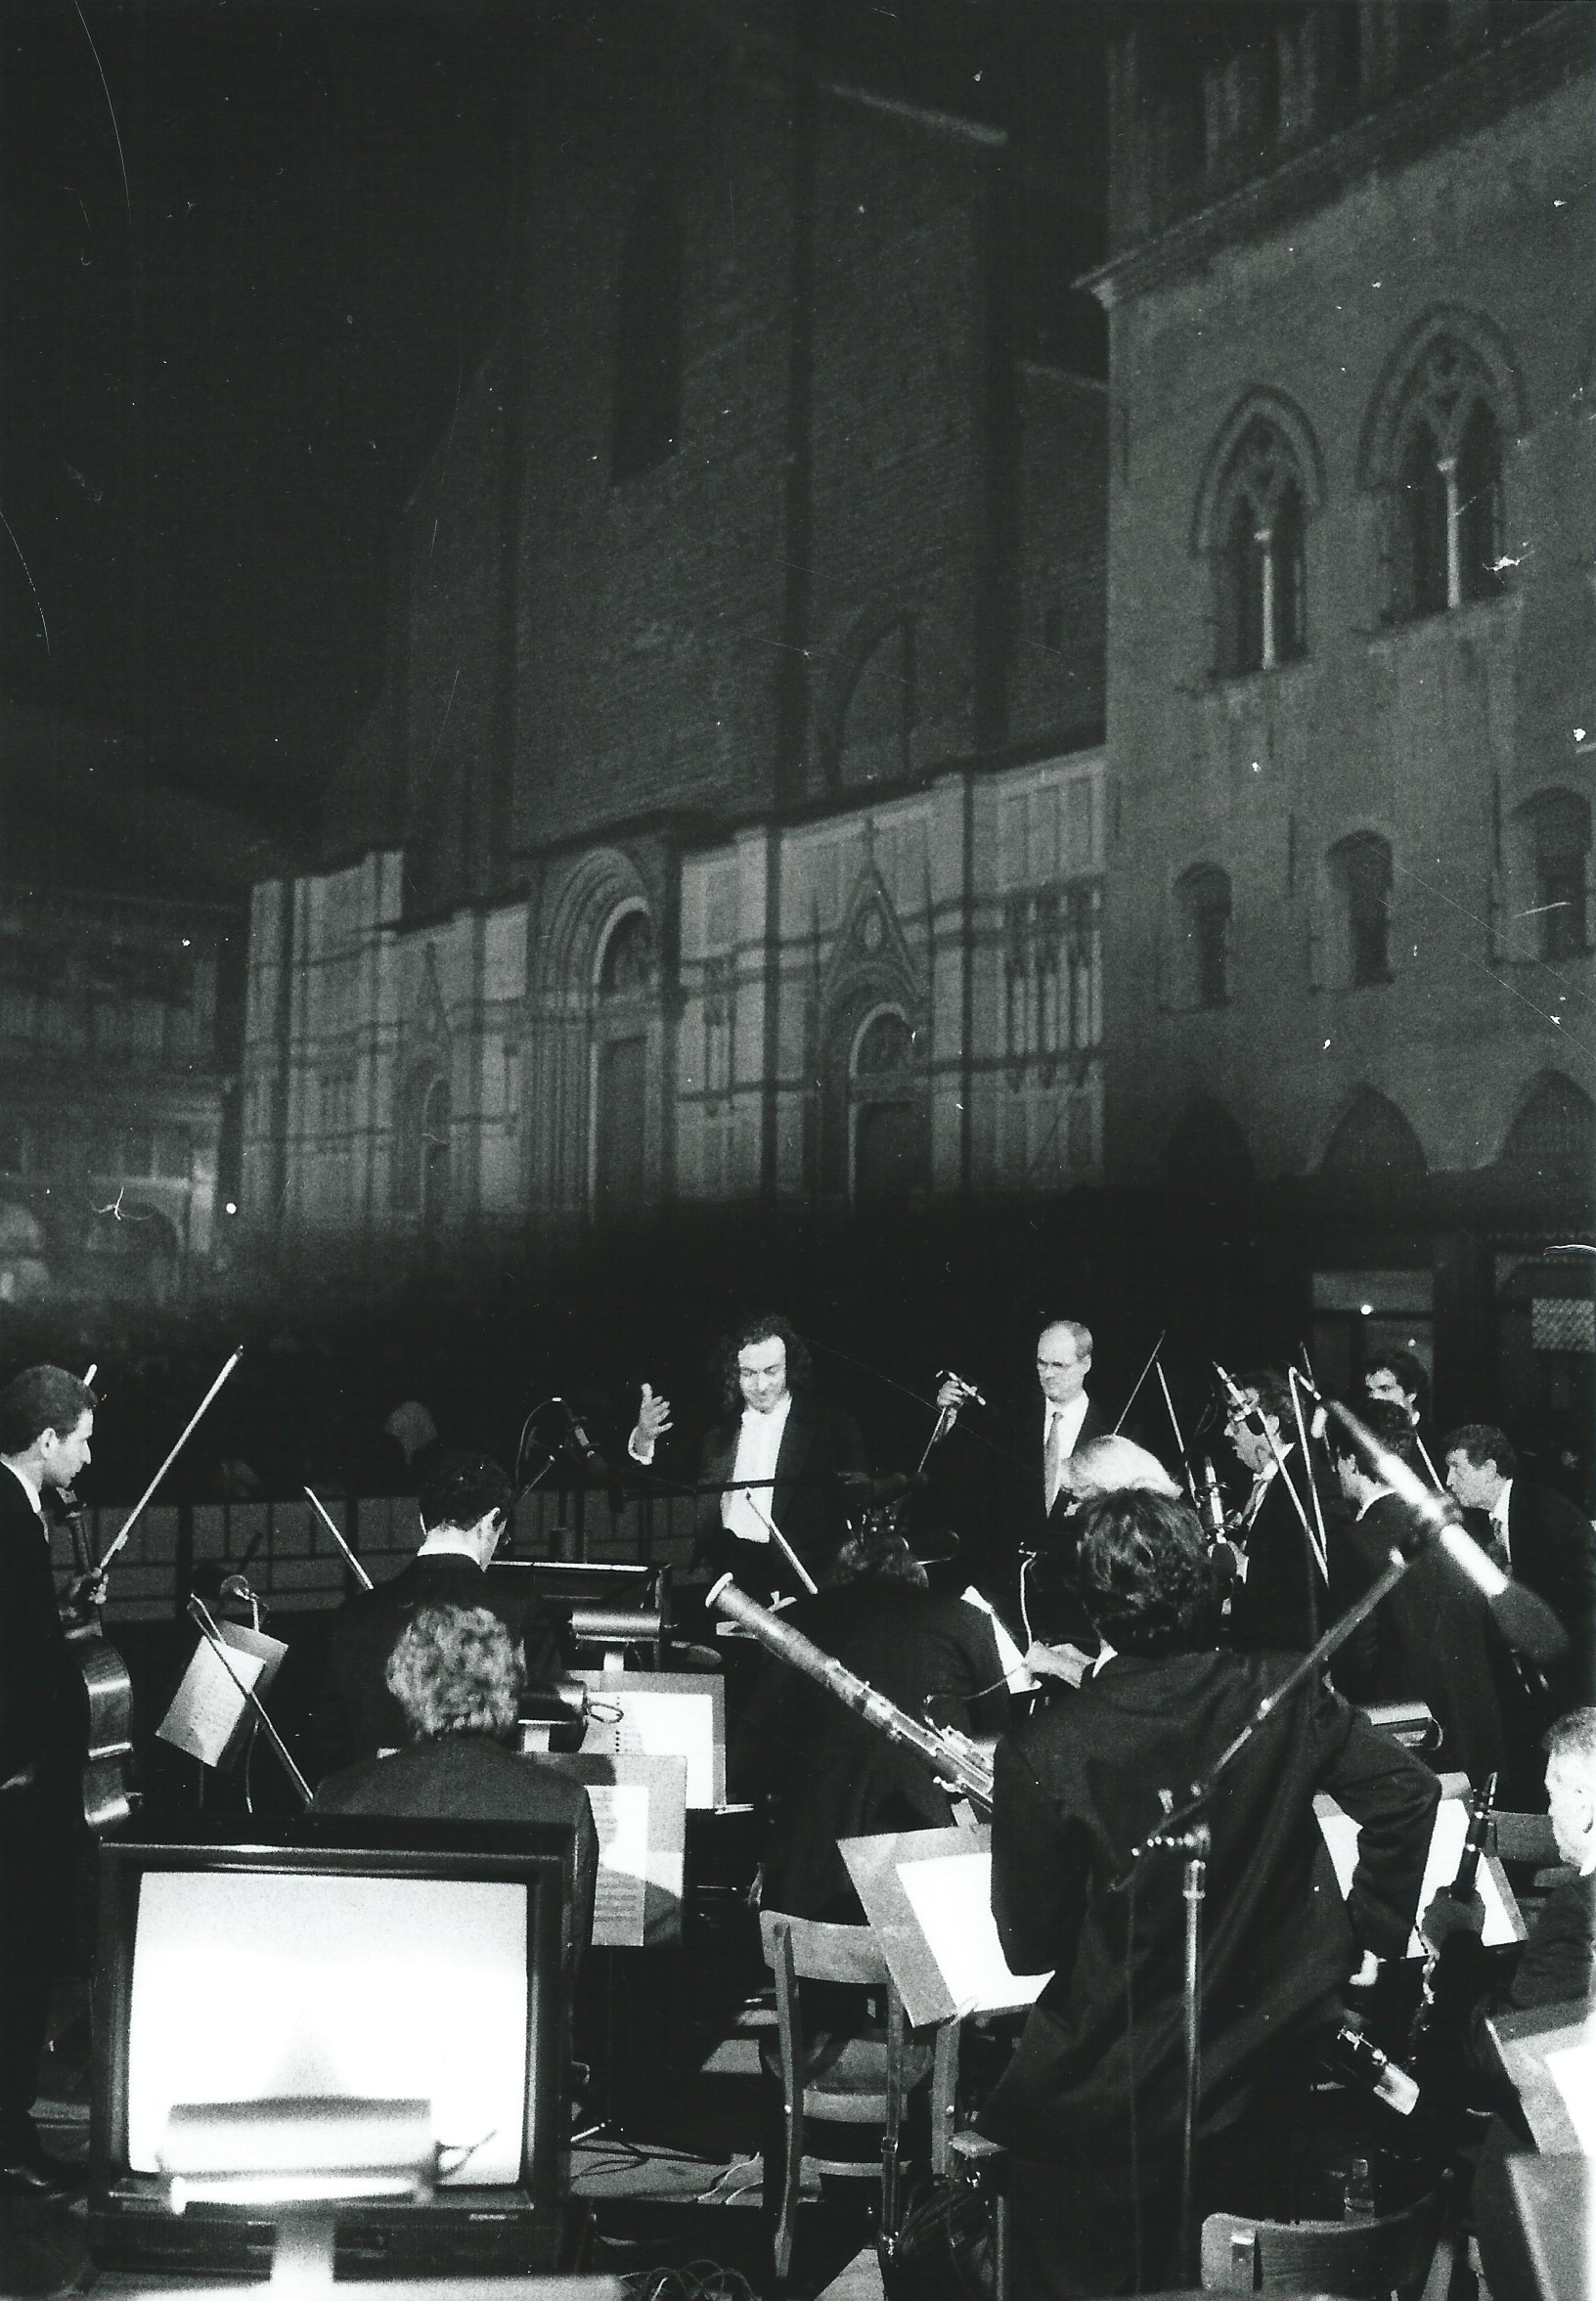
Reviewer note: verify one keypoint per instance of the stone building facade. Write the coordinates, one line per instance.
(1353, 666)
(125, 915)
(731, 828)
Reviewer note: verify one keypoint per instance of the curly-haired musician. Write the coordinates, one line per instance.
(1091, 2104)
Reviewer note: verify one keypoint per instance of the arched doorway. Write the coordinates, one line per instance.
(624, 1009)
(889, 1134)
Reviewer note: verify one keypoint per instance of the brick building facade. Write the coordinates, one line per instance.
(731, 828)
(1352, 712)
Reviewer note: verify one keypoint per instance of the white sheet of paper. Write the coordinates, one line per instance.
(656, 1724)
(1445, 1847)
(1017, 1677)
(620, 1815)
(952, 1897)
(1573, 2074)
(207, 1708)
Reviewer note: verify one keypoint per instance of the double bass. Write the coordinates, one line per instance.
(108, 1798)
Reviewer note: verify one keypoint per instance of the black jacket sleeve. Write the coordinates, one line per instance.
(1393, 1798)
(1040, 1869)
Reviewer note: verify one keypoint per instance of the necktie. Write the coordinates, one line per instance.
(1497, 1549)
(1053, 1466)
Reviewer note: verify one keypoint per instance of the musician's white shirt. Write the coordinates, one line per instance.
(1072, 1417)
(1498, 1517)
(746, 1514)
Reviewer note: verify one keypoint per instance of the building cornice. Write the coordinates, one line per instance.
(1494, 81)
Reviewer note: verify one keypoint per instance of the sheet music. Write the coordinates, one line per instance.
(654, 1723)
(1017, 1677)
(209, 1710)
(951, 1895)
(1446, 1849)
(620, 1815)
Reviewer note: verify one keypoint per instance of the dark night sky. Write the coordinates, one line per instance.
(221, 374)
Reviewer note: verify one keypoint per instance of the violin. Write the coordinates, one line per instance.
(108, 1797)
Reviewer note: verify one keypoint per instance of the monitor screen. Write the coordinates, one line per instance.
(340, 1954)
(250, 1984)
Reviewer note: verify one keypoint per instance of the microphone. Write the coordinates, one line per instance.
(589, 1453)
(1213, 1497)
(972, 1396)
(580, 1438)
(237, 1587)
(1525, 1621)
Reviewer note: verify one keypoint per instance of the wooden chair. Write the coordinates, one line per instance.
(853, 2080)
(1362, 2259)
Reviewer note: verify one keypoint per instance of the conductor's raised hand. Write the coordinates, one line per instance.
(654, 1421)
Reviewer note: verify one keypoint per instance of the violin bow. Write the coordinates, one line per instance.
(193, 1423)
(1152, 1360)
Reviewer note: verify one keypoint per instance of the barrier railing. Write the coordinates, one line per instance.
(292, 1560)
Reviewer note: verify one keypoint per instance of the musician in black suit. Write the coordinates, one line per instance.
(1429, 1640)
(831, 1774)
(464, 1501)
(457, 1679)
(1007, 1482)
(1277, 1600)
(783, 1455)
(46, 1425)
(1075, 1788)
(1542, 1539)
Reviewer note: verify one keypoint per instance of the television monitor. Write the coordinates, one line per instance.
(336, 1956)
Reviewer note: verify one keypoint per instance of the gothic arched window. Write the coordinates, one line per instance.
(1261, 566)
(1448, 476)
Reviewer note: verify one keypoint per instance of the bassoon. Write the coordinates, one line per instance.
(959, 1763)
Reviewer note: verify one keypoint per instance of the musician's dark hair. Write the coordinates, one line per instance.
(1144, 1572)
(763, 1326)
(1411, 1373)
(1384, 1420)
(461, 1488)
(1274, 1393)
(41, 1399)
(875, 1557)
(1482, 1443)
(454, 1669)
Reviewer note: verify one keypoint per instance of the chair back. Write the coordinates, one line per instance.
(1360, 2259)
(819, 1952)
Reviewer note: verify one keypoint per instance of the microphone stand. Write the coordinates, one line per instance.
(1183, 1829)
